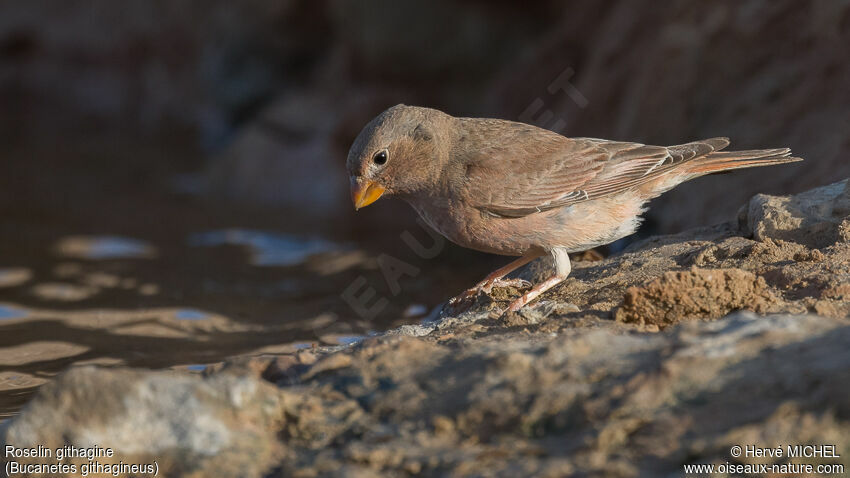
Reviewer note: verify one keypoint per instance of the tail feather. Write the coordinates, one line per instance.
(727, 160)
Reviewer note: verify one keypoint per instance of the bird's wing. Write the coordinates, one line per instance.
(517, 178)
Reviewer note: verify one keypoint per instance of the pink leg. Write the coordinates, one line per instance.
(562, 270)
(487, 284)
(535, 292)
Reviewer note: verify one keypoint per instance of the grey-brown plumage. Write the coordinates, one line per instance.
(514, 189)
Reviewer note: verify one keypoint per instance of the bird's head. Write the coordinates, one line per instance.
(398, 152)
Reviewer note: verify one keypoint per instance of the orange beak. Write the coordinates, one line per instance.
(365, 193)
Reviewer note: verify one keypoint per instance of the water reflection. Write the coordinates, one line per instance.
(104, 247)
(346, 339)
(191, 314)
(14, 276)
(8, 312)
(267, 249)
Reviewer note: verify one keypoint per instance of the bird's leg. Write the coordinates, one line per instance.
(562, 270)
(494, 277)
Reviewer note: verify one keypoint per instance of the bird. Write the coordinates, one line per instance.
(515, 189)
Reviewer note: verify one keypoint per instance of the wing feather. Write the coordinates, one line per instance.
(519, 174)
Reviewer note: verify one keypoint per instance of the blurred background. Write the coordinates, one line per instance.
(172, 181)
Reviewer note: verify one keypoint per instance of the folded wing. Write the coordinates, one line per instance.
(535, 176)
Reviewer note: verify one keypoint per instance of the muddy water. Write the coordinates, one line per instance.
(102, 262)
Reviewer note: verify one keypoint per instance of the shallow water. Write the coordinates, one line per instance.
(116, 302)
(134, 274)
(192, 304)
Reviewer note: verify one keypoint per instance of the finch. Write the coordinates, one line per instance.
(514, 189)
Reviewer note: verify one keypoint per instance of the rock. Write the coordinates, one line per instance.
(816, 218)
(512, 406)
(222, 425)
(696, 293)
(795, 262)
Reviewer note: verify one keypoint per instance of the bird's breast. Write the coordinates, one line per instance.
(469, 227)
(438, 216)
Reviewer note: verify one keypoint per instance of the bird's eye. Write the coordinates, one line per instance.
(380, 157)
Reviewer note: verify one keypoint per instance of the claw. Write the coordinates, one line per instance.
(535, 292)
(461, 303)
(464, 301)
(517, 283)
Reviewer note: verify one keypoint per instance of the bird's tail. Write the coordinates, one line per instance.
(727, 160)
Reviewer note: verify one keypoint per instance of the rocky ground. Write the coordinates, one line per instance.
(667, 354)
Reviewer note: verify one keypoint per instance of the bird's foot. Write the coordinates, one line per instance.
(522, 301)
(462, 302)
(486, 286)
(465, 300)
(459, 304)
(516, 282)
(519, 303)
(534, 293)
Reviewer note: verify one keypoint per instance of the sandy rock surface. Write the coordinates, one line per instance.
(665, 355)
(185, 424)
